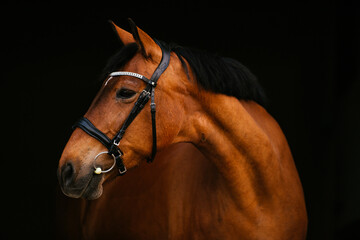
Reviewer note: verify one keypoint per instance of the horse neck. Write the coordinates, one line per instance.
(224, 131)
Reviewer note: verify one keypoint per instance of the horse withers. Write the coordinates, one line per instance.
(223, 168)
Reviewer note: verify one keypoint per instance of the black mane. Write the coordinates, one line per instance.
(222, 75)
(213, 73)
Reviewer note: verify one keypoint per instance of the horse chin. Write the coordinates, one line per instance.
(93, 194)
(88, 187)
(94, 189)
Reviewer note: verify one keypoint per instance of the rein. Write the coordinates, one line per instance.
(148, 93)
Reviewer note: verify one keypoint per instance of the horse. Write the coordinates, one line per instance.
(223, 168)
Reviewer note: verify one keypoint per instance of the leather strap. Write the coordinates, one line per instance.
(90, 129)
(164, 63)
(114, 150)
(138, 106)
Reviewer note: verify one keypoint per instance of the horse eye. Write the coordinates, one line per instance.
(125, 93)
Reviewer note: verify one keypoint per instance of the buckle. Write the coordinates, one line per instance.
(120, 164)
(122, 172)
(153, 107)
(116, 143)
(147, 93)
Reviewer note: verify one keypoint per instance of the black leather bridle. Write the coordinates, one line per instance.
(112, 145)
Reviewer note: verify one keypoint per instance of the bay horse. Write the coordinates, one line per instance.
(223, 168)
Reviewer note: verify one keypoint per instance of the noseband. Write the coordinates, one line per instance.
(148, 93)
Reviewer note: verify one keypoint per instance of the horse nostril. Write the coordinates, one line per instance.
(67, 174)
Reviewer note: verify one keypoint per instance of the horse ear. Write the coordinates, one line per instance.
(148, 46)
(125, 37)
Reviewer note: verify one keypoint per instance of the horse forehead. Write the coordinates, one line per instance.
(140, 65)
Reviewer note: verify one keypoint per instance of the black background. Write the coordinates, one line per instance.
(305, 54)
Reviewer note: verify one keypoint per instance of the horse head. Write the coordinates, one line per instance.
(111, 108)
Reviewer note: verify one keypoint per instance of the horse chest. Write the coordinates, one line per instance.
(163, 203)
(185, 217)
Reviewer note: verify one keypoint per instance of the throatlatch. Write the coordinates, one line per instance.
(148, 93)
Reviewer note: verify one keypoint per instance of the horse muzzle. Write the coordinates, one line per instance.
(86, 185)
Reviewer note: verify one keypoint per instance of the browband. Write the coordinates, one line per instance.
(131, 74)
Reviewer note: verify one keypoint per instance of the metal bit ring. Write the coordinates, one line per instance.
(98, 170)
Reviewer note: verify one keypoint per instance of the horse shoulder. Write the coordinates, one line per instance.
(291, 205)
